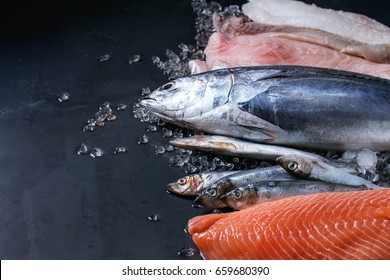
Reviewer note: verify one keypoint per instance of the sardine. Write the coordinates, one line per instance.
(312, 169)
(246, 196)
(240, 148)
(282, 105)
(211, 196)
(194, 184)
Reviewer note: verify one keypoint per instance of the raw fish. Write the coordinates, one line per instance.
(265, 49)
(296, 13)
(341, 225)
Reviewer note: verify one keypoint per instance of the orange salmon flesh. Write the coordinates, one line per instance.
(341, 225)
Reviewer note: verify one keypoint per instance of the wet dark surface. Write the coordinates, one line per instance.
(54, 203)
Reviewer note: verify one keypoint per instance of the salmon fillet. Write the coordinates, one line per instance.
(341, 225)
(265, 49)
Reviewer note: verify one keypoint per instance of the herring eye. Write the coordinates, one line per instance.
(292, 166)
(167, 86)
(237, 194)
(182, 181)
(212, 192)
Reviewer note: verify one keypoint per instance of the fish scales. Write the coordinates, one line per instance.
(247, 195)
(295, 106)
(341, 225)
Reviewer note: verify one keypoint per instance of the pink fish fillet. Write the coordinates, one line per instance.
(265, 49)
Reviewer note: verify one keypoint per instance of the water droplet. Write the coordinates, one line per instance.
(104, 57)
(153, 218)
(144, 139)
(64, 96)
(135, 58)
(96, 152)
(82, 149)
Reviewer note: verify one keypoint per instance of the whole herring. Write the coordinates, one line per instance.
(211, 196)
(312, 169)
(196, 183)
(260, 192)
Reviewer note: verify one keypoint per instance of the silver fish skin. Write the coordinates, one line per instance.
(293, 106)
(302, 167)
(236, 147)
(211, 196)
(246, 196)
(192, 185)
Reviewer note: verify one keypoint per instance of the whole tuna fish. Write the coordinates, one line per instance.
(283, 105)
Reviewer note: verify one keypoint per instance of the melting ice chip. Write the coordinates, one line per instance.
(135, 58)
(187, 252)
(64, 97)
(82, 149)
(121, 107)
(96, 152)
(104, 57)
(120, 150)
(153, 218)
(158, 149)
(167, 132)
(144, 139)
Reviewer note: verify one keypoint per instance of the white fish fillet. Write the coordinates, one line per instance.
(265, 49)
(237, 26)
(296, 13)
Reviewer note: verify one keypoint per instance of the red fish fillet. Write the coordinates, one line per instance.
(265, 49)
(341, 225)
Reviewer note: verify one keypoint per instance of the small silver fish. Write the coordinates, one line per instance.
(260, 192)
(194, 184)
(235, 147)
(211, 196)
(303, 167)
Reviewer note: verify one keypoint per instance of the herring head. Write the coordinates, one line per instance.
(188, 97)
(296, 165)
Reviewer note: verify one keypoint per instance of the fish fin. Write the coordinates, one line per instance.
(270, 133)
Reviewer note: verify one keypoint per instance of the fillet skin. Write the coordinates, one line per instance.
(265, 49)
(341, 225)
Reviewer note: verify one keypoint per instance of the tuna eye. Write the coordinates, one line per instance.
(212, 192)
(292, 166)
(182, 181)
(166, 86)
(237, 194)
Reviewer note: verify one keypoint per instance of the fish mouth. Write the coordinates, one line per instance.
(148, 103)
(175, 188)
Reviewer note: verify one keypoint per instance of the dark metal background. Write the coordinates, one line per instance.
(55, 204)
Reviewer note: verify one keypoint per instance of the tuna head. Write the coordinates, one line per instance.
(189, 97)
